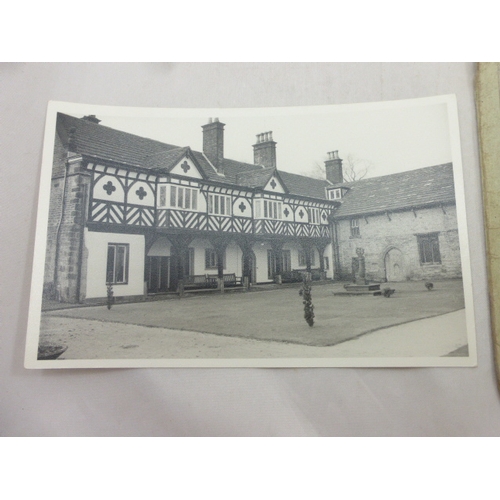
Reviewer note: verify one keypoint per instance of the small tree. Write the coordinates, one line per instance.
(305, 292)
(109, 288)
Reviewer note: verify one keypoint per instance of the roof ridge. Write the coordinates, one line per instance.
(404, 172)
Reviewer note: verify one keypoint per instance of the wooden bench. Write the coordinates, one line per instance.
(296, 275)
(199, 281)
(229, 279)
(293, 276)
(232, 280)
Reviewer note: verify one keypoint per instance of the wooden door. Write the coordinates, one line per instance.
(157, 274)
(394, 265)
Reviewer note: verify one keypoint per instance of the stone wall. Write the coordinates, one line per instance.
(65, 253)
(395, 234)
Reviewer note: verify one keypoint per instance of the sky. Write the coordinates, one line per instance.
(392, 137)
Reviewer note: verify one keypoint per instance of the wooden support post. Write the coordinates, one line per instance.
(321, 246)
(180, 254)
(277, 249)
(220, 244)
(246, 243)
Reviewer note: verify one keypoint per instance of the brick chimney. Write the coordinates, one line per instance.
(333, 167)
(264, 151)
(213, 142)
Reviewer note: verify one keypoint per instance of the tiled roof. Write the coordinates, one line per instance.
(424, 186)
(163, 161)
(255, 178)
(106, 143)
(98, 141)
(207, 167)
(378, 194)
(232, 168)
(304, 186)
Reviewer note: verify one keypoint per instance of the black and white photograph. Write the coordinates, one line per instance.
(274, 237)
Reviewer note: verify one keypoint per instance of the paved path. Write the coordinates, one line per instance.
(91, 339)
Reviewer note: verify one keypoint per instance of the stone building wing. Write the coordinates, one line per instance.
(406, 190)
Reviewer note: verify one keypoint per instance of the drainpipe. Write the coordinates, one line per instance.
(336, 251)
(85, 204)
(58, 234)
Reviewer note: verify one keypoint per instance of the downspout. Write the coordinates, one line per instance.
(336, 251)
(58, 234)
(82, 242)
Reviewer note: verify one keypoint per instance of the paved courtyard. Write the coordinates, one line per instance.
(268, 324)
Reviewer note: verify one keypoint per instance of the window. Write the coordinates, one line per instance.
(428, 248)
(271, 209)
(219, 204)
(302, 258)
(314, 216)
(258, 209)
(182, 197)
(163, 196)
(326, 261)
(211, 261)
(117, 263)
(355, 228)
(335, 194)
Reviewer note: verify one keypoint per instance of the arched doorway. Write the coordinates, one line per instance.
(394, 265)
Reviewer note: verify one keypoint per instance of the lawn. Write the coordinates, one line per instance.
(277, 315)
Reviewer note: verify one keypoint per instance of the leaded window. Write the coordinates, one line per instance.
(183, 197)
(355, 228)
(117, 263)
(219, 204)
(211, 260)
(428, 248)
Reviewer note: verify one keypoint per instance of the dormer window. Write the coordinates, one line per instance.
(335, 194)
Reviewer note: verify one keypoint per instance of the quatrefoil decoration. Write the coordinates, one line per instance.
(185, 166)
(141, 193)
(273, 183)
(286, 212)
(242, 207)
(324, 216)
(109, 188)
(301, 214)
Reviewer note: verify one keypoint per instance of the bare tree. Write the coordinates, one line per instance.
(355, 169)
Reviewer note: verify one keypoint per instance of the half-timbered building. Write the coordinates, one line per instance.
(149, 217)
